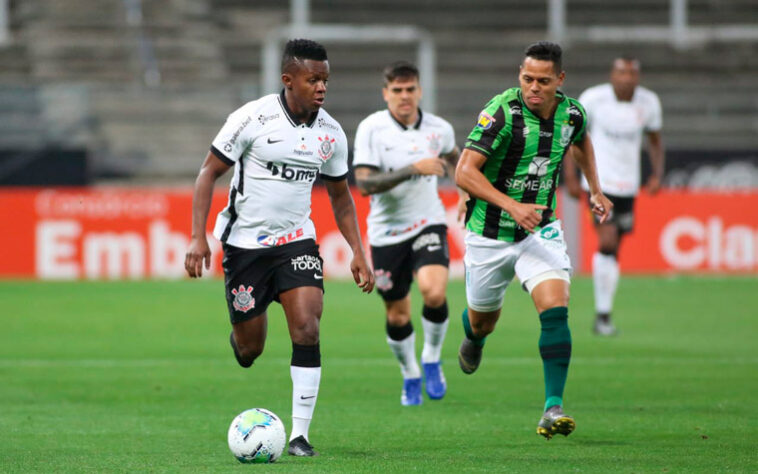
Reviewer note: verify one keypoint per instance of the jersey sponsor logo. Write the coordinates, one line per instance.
(545, 134)
(326, 149)
(243, 298)
(515, 110)
(414, 226)
(435, 143)
(324, 124)
(573, 110)
(383, 279)
(518, 184)
(485, 120)
(525, 131)
(230, 143)
(306, 262)
(539, 165)
(266, 118)
(566, 132)
(292, 173)
(302, 150)
(549, 233)
(273, 241)
(428, 240)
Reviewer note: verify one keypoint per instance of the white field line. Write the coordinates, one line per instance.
(383, 361)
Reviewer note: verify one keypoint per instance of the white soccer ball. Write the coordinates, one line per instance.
(257, 436)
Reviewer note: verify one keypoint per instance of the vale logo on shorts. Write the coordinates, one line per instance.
(243, 298)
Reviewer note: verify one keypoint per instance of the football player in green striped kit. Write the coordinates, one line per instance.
(510, 167)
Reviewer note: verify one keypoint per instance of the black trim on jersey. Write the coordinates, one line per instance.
(548, 213)
(291, 117)
(507, 168)
(544, 149)
(361, 165)
(400, 124)
(241, 179)
(217, 153)
(232, 215)
(334, 178)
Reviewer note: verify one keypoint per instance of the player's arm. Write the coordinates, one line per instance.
(571, 175)
(657, 161)
(347, 222)
(371, 181)
(584, 155)
(199, 251)
(451, 161)
(469, 177)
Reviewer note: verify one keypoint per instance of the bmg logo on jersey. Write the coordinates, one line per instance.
(306, 262)
(290, 173)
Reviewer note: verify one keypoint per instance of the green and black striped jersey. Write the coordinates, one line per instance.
(524, 156)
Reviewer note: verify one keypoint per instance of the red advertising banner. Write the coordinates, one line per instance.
(679, 231)
(125, 233)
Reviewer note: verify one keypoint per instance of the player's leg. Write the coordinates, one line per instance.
(402, 341)
(605, 276)
(248, 339)
(393, 270)
(298, 280)
(550, 296)
(489, 269)
(430, 257)
(432, 282)
(544, 268)
(303, 307)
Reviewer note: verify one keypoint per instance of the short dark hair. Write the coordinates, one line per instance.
(546, 51)
(400, 69)
(300, 49)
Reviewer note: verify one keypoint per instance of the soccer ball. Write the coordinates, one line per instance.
(256, 436)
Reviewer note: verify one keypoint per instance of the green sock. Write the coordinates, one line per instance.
(555, 349)
(478, 341)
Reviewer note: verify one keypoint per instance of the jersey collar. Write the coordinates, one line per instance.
(405, 127)
(291, 117)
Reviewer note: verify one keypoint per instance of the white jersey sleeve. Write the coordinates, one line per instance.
(363, 152)
(448, 138)
(236, 135)
(335, 167)
(654, 121)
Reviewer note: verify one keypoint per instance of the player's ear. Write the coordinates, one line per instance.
(287, 80)
(561, 77)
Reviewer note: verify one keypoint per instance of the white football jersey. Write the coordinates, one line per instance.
(276, 160)
(383, 143)
(616, 130)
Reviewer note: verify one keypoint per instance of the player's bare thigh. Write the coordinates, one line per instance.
(550, 294)
(302, 307)
(432, 283)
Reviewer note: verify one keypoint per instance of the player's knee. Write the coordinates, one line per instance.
(483, 327)
(246, 352)
(397, 317)
(306, 332)
(610, 250)
(434, 298)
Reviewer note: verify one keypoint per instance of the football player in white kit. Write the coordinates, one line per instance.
(399, 154)
(278, 145)
(619, 114)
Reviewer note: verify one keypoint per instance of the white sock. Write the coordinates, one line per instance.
(434, 336)
(305, 382)
(405, 353)
(605, 273)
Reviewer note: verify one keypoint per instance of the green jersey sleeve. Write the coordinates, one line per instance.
(491, 130)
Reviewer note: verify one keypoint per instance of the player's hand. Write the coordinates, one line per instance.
(461, 211)
(362, 273)
(601, 206)
(198, 252)
(653, 185)
(526, 215)
(430, 167)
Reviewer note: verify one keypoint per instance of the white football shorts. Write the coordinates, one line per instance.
(491, 264)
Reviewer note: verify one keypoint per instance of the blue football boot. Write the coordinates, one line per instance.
(436, 386)
(411, 392)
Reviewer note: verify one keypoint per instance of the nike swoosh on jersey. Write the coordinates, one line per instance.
(271, 142)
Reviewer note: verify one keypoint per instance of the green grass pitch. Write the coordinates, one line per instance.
(139, 377)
